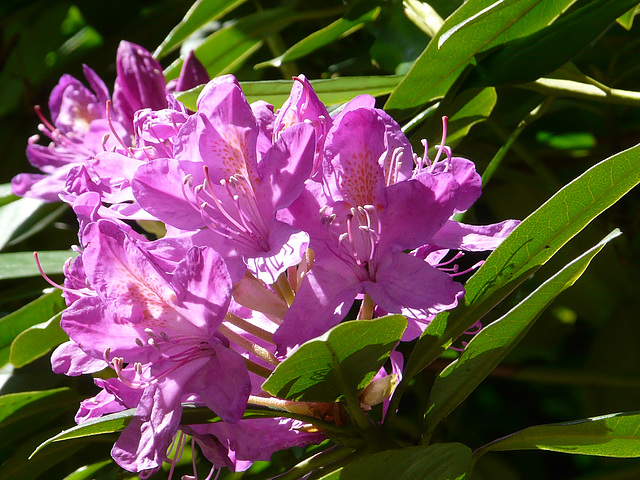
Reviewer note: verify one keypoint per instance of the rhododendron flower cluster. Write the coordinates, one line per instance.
(276, 223)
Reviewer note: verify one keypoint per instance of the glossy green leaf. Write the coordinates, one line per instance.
(38, 311)
(6, 195)
(527, 59)
(13, 215)
(436, 462)
(22, 264)
(626, 20)
(116, 422)
(358, 349)
(88, 471)
(350, 23)
(475, 27)
(332, 91)
(200, 13)
(227, 48)
(25, 412)
(615, 435)
(423, 16)
(37, 341)
(489, 347)
(113, 422)
(25, 217)
(528, 247)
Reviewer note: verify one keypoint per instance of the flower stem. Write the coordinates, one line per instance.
(583, 91)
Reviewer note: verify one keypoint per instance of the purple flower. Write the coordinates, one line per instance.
(192, 74)
(81, 127)
(220, 180)
(77, 131)
(178, 314)
(360, 223)
(303, 105)
(238, 445)
(139, 84)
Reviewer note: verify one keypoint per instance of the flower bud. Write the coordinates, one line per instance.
(378, 390)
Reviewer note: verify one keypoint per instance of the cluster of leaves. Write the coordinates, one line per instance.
(548, 87)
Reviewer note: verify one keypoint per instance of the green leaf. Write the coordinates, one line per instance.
(25, 217)
(615, 435)
(475, 27)
(330, 91)
(6, 195)
(38, 311)
(22, 264)
(37, 341)
(626, 20)
(466, 110)
(13, 215)
(227, 48)
(528, 58)
(435, 462)
(359, 348)
(88, 471)
(116, 422)
(25, 412)
(200, 13)
(351, 22)
(528, 247)
(489, 347)
(110, 423)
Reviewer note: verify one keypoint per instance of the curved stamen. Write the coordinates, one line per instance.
(111, 127)
(444, 138)
(76, 291)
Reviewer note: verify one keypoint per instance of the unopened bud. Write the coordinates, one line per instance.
(378, 390)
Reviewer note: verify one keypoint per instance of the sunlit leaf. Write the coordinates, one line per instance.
(332, 91)
(475, 27)
(435, 462)
(22, 264)
(489, 347)
(116, 422)
(350, 23)
(227, 48)
(87, 472)
(528, 247)
(626, 20)
(37, 341)
(358, 348)
(13, 215)
(38, 311)
(615, 435)
(200, 13)
(528, 58)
